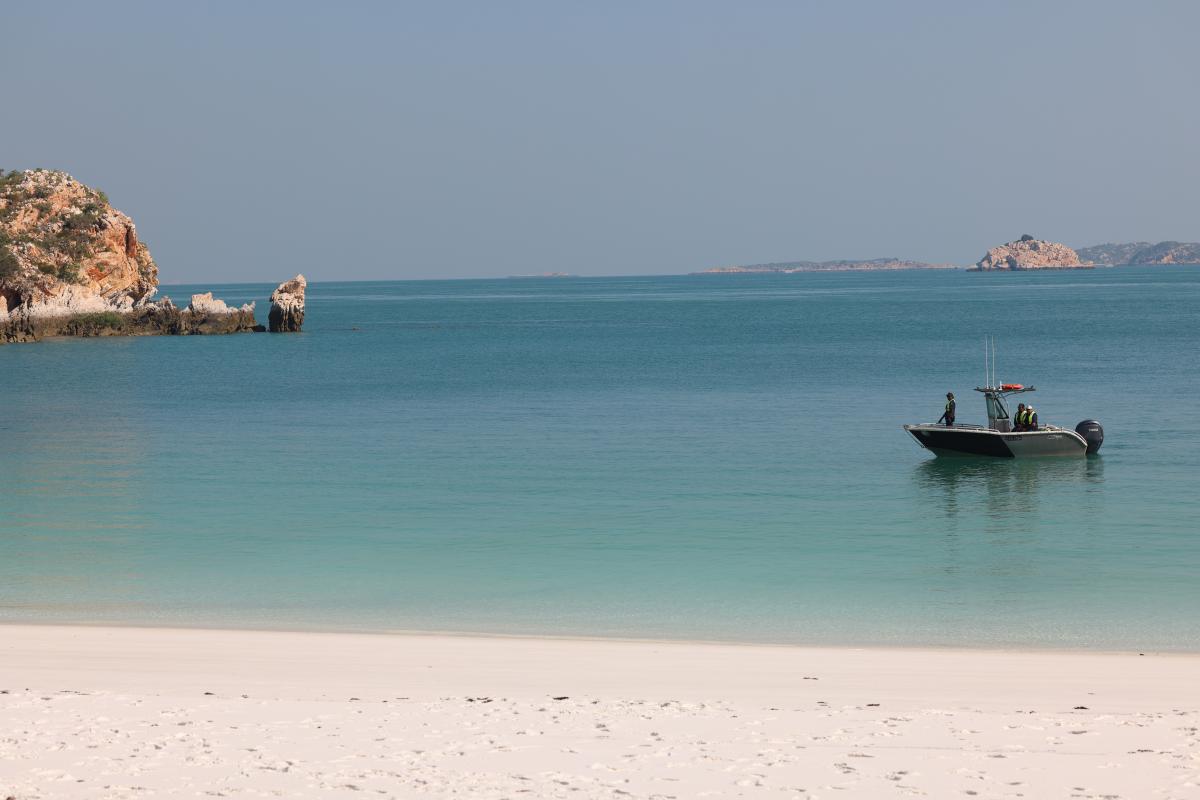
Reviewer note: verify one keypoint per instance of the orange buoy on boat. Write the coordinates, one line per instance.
(1011, 386)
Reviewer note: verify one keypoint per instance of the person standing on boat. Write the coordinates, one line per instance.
(1031, 421)
(1019, 419)
(948, 414)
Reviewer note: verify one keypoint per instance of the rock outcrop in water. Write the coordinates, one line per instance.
(72, 265)
(287, 306)
(62, 240)
(1030, 253)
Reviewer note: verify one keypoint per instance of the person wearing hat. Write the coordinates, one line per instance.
(948, 414)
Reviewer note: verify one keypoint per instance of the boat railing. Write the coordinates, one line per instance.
(958, 426)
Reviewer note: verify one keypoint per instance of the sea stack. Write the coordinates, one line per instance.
(1030, 253)
(287, 306)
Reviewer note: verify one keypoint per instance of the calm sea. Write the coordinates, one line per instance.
(712, 457)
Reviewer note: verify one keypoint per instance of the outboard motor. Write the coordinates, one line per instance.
(1092, 433)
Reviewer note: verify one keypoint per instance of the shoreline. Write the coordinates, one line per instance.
(922, 647)
(137, 641)
(166, 711)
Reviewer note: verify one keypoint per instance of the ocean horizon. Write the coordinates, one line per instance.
(700, 457)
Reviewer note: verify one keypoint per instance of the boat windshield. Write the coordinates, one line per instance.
(996, 408)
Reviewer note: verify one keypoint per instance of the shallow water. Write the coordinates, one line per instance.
(713, 457)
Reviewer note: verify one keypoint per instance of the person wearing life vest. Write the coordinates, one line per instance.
(1031, 421)
(1019, 419)
(948, 414)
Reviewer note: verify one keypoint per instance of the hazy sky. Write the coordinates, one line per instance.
(452, 139)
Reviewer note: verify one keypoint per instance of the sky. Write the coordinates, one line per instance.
(370, 141)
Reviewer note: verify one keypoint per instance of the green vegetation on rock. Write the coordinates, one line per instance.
(8, 262)
(98, 320)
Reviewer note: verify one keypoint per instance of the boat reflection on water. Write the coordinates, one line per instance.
(1004, 489)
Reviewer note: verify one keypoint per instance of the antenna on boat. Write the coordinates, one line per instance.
(989, 361)
(992, 380)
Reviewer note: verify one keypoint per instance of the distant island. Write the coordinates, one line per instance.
(1025, 253)
(1142, 253)
(787, 267)
(1028, 253)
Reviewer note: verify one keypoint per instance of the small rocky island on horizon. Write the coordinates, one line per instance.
(1028, 253)
(72, 265)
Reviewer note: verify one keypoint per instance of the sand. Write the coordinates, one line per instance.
(128, 712)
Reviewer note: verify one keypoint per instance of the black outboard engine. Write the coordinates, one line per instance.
(1092, 433)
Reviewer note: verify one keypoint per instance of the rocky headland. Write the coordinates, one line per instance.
(1028, 253)
(1142, 253)
(845, 265)
(72, 265)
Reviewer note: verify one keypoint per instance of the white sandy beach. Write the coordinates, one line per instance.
(127, 712)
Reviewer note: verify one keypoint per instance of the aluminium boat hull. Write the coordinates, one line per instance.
(972, 440)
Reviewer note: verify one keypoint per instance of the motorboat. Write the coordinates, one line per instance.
(999, 438)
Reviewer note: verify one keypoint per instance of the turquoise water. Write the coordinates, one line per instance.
(714, 457)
